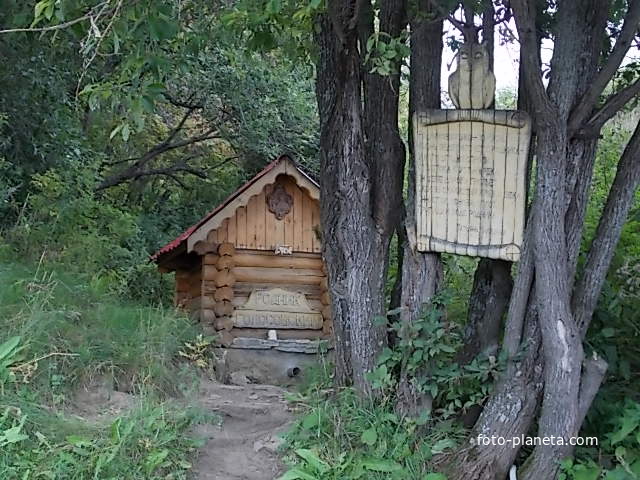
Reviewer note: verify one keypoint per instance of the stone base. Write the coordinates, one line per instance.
(266, 366)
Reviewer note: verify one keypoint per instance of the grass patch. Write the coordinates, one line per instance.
(59, 332)
(78, 334)
(151, 441)
(340, 437)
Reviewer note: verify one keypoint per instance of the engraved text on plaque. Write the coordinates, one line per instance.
(276, 308)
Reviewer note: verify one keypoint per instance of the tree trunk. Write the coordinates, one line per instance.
(492, 285)
(362, 159)
(619, 201)
(509, 413)
(421, 272)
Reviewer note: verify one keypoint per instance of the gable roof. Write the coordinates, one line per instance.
(283, 165)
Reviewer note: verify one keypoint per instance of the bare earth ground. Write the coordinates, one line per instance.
(244, 446)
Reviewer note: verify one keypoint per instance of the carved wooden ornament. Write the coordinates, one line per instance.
(279, 201)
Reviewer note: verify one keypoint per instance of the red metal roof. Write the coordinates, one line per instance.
(175, 243)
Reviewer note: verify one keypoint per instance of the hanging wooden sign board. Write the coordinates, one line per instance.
(470, 181)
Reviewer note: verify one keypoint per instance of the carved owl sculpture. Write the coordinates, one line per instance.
(473, 84)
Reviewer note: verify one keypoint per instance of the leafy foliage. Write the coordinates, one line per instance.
(340, 438)
(426, 351)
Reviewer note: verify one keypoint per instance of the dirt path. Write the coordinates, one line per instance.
(244, 446)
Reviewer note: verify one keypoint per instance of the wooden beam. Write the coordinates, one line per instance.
(278, 275)
(265, 259)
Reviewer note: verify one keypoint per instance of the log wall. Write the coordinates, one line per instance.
(238, 258)
(227, 279)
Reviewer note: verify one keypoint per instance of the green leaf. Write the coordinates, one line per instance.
(297, 474)
(369, 436)
(629, 424)
(435, 476)
(586, 473)
(13, 435)
(274, 7)
(77, 441)
(313, 460)
(48, 12)
(442, 445)
(39, 11)
(115, 131)
(155, 459)
(126, 132)
(311, 421)
(618, 474)
(608, 332)
(116, 43)
(379, 465)
(9, 347)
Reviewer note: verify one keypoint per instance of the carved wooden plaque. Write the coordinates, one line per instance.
(279, 201)
(470, 181)
(277, 308)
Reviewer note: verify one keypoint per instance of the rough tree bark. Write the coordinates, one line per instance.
(362, 159)
(421, 272)
(543, 287)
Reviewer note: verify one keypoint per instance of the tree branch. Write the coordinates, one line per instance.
(619, 201)
(446, 15)
(60, 26)
(588, 101)
(135, 174)
(594, 369)
(183, 103)
(525, 15)
(611, 106)
(137, 169)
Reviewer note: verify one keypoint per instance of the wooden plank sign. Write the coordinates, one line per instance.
(470, 181)
(277, 308)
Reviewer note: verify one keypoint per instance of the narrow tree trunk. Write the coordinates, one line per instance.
(492, 284)
(619, 201)
(421, 272)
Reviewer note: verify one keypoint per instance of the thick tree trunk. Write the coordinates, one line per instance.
(352, 246)
(562, 344)
(362, 161)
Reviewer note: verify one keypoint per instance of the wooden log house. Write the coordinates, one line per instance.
(252, 268)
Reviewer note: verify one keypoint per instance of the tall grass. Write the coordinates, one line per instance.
(80, 333)
(61, 332)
